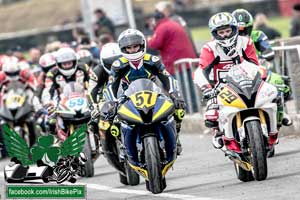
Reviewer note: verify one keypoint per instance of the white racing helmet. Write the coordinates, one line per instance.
(64, 55)
(109, 53)
(132, 37)
(220, 21)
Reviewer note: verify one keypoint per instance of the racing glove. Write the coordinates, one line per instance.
(50, 107)
(207, 92)
(178, 101)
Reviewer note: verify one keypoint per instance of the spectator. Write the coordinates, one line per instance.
(103, 24)
(295, 23)
(167, 9)
(261, 24)
(181, 5)
(34, 57)
(104, 39)
(86, 43)
(173, 42)
(17, 52)
(78, 33)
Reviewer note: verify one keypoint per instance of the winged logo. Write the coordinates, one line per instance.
(46, 149)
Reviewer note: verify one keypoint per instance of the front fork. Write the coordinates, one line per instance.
(271, 136)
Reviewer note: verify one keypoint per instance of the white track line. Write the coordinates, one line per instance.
(138, 192)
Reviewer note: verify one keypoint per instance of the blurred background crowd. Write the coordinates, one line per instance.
(37, 26)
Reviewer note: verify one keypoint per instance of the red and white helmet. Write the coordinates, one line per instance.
(10, 66)
(47, 61)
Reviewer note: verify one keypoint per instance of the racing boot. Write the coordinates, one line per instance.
(286, 120)
(217, 139)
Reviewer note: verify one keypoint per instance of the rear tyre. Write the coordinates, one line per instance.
(123, 179)
(31, 133)
(152, 157)
(258, 150)
(242, 174)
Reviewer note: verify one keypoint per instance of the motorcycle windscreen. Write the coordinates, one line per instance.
(245, 81)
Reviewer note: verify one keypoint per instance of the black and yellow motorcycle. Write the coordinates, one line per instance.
(147, 136)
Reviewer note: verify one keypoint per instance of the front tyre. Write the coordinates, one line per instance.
(88, 165)
(257, 150)
(155, 182)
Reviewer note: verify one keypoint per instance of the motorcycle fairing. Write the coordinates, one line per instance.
(161, 109)
(144, 99)
(132, 139)
(266, 93)
(16, 115)
(228, 97)
(129, 113)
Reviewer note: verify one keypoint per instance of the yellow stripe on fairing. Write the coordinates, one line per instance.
(163, 108)
(262, 117)
(125, 111)
(238, 120)
(140, 170)
(167, 167)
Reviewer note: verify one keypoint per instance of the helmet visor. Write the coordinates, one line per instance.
(131, 40)
(12, 74)
(67, 65)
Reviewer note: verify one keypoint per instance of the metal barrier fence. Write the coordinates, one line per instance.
(287, 62)
(184, 69)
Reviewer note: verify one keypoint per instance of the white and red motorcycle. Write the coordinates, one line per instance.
(248, 120)
(73, 112)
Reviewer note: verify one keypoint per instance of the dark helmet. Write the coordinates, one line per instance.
(244, 20)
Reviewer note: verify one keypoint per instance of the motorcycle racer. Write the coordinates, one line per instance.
(67, 70)
(97, 85)
(135, 63)
(46, 62)
(216, 58)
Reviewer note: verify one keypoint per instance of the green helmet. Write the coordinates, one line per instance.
(244, 20)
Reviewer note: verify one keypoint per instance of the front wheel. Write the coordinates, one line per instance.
(155, 182)
(89, 165)
(257, 150)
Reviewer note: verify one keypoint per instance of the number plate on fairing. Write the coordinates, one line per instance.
(229, 98)
(144, 99)
(76, 103)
